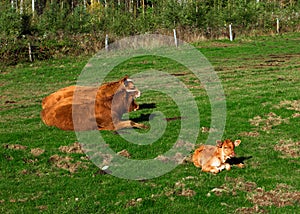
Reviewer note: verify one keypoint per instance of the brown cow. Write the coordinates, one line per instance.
(105, 90)
(213, 158)
(103, 113)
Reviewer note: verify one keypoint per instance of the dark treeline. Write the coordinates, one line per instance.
(59, 26)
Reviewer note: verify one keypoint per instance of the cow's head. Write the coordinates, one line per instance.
(131, 88)
(125, 96)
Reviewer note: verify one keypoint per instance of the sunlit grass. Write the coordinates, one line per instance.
(256, 74)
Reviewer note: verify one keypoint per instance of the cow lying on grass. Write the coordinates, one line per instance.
(213, 158)
(105, 90)
(93, 107)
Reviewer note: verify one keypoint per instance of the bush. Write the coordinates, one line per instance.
(10, 22)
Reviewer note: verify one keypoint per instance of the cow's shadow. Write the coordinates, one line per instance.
(237, 160)
(147, 106)
(145, 117)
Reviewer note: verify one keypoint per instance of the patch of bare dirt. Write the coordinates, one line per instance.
(249, 134)
(187, 192)
(184, 145)
(267, 122)
(208, 130)
(289, 104)
(134, 202)
(74, 148)
(26, 199)
(250, 210)
(233, 185)
(281, 196)
(181, 192)
(288, 148)
(15, 146)
(296, 115)
(124, 153)
(178, 158)
(42, 207)
(66, 163)
(37, 151)
(180, 188)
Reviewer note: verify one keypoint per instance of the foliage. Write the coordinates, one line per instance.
(10, 21)
(127, 19)
(206, 19)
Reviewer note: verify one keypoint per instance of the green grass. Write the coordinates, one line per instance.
(256, 73)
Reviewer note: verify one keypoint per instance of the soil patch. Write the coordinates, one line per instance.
(290, 105)
(249, 134)
(74, 148)
(65, 163)
(15, 146)
(281, 196)
(124, 153)
(37, 151)
(288, 148)
(267, 122)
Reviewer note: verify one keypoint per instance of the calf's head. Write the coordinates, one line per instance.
(227, 148)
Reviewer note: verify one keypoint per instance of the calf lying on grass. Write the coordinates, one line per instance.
(213, 158)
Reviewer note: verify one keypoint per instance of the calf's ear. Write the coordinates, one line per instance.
(237, 142)
(219, 143)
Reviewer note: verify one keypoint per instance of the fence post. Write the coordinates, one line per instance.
(277, 25)
(175, 38)
(230, 32)
(32, 7)
(30, 53)
(106, 42)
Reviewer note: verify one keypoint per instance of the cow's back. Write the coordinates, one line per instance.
(203, 154)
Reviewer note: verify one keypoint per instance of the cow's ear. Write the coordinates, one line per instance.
(219, 143)
(124, 79)
(237, 142)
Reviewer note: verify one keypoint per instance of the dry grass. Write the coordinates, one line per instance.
(282, 195)
(288, 148)
(74, 148)
(267, 122)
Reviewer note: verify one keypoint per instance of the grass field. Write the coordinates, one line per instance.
(42, 168)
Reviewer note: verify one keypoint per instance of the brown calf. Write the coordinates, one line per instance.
(213, 158)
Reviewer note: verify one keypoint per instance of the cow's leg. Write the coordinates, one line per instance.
(227, 166)
(209, 168)
(129, 124)
(240, 165)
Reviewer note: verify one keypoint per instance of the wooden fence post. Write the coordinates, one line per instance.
(277, 25)
(175, 38)
(106, 42)
(230, 32)
(30, 53)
